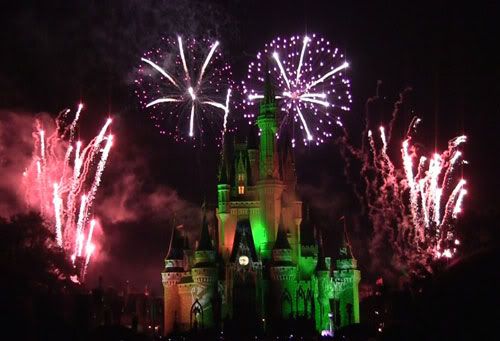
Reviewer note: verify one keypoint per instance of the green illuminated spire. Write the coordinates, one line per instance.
(268, 127)
(306, 230)
(345, 248)
(269, 97)
(321, 265)
(224, 159)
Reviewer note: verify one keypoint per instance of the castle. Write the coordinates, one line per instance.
(262, 266)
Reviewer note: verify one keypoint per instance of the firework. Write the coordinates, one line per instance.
(308, 74)
(69, 173)
(186, 87)
(413, 201)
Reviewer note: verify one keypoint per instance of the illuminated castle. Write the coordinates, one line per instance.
(262, 266)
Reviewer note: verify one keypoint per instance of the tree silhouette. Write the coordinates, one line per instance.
(36, 275)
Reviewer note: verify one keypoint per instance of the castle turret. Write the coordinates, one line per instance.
(324, 289)
(346, 286)
(174, 268)
(253, 154)
(283, 273)
(270, 187)
(268, 127)
(308, 248)
(225, 232)
(204, 273)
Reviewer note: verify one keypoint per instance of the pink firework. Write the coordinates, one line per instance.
(413, 202)
(185, 86)
(63, 179)
(309, 76)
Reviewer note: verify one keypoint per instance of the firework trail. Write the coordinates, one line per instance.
(308, 74)
(413, 208)
(70, 173)
(184, 98)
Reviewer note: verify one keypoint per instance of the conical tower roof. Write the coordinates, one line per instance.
(321, 265)
(268, 87)
(224, 160)
(306, 229)
(345, 247)
(175, 249)
(253, 138)
(205, 243)
(281, 237)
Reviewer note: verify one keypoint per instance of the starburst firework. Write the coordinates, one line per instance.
(185, 85)
(309, 76)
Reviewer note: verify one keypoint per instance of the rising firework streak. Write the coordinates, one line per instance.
(68, 172)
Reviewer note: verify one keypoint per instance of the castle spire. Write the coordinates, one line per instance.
(268, 88)
(176, 245)
(252, 139)
(321, 265)
(205, 241)
(345, 248)
(307, 229)
(268, 128)
(223, 167)
(281, 238)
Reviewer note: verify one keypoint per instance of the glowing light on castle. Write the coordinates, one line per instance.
(62, 181)
(310, 81)
(183, 97)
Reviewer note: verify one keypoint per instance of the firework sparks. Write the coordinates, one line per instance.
(310, 82)
(61, 169)
(413, 208)
(192, 97)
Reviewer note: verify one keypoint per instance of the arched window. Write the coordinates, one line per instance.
(286, 304)
(196, 316)
(301, 303)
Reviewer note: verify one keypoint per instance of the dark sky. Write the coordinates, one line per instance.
(55, 53)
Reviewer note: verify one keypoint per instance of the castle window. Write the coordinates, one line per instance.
(241, 189)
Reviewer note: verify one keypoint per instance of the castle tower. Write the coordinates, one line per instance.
(174, 268)
(323, 290)
(270, 187)
(308, 248)
(283, 274)
(268, 128)
(244, 281)
(346, 287)
(225, 229)
(204, 273)
(253, 154)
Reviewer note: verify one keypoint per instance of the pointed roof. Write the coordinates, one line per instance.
(205, 243)
(306, 229)
(243, 238)
(321, 265)
(175, 249)
(281, 237)
(253, 138)
(224, 159)
(268, 87)
(267, 107)
(345, 247)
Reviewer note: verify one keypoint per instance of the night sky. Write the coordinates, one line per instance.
(56, 53)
